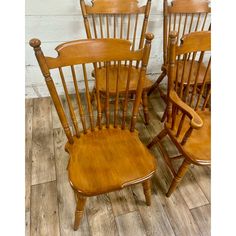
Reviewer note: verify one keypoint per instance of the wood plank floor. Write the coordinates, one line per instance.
(50, 201)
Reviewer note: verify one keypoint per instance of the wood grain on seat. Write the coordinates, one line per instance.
(198, 146)
(124, 76)
(107, 160)
(105, 154)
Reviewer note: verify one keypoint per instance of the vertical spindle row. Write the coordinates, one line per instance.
(71, 109)
(78, 99)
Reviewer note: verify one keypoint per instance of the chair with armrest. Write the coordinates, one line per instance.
(188, 121)
(183, 17)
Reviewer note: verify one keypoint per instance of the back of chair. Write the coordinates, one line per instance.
(116, 19)
(76, 56)
(184, 17)
(195, 91)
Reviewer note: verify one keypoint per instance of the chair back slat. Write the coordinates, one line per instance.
(88, 99)
(73, 54)
(107, 22)
(123, 13)
(98, 98)
(195, 86)
(184, 17)
(107, 68)
(71, 109)
(126, 96)
(116, 106)
(190, 75)
(101, 27)
(203, 85)
(78, 100)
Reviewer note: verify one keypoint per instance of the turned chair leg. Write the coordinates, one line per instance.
(145, 107)
(157, 138)
(156, 84)
(79, 210)
(147, 191)
(180, 174)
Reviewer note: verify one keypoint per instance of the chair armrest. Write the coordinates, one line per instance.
(196, 121)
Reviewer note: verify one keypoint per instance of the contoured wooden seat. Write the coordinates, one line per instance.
(188, 109)
(106, 157)
(122, 19)
(106, 154)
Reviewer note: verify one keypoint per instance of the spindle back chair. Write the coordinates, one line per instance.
(100, 157)
(188, 108)
(183, 17)
(119, 19)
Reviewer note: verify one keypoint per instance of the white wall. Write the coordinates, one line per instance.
(57, 21)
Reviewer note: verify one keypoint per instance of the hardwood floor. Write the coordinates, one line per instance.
(50, 203)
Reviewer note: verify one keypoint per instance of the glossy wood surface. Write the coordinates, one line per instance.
(111, 168)
(188, 113)
(186, 212)
(183, 17)
(100, 157)
(119, 19)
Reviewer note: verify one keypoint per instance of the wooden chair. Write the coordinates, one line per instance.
(119, 19)
(105, 155)
(183, 16)
(188, 109)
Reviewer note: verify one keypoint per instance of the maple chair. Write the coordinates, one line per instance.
(184, 17)
(188, 107)
(122, 19)
(101, 158)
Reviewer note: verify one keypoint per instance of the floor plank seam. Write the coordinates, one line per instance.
(43, 182)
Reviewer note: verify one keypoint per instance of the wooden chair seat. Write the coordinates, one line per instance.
(101, 72)
(107, 160)
(198, 146)
(202, 72)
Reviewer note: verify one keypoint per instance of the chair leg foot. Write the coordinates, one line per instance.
(147, 191)
(79, 210)
(145, 107)
(180, 174)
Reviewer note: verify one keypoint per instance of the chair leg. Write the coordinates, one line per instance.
(156, 84)
(180, 174)
(147, 191)
(145, 107)
(164, 115)
(79, 210)
(157, 138)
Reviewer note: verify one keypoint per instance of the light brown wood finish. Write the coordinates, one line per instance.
(115, 166)
(102, 210)
(189, 128)
(183, 17)
(124, 18)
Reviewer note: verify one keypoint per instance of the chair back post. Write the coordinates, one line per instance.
(171, 69)
(145, 23)
(85, 16)
(35, 43)
(147, 48)
(165, 15)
